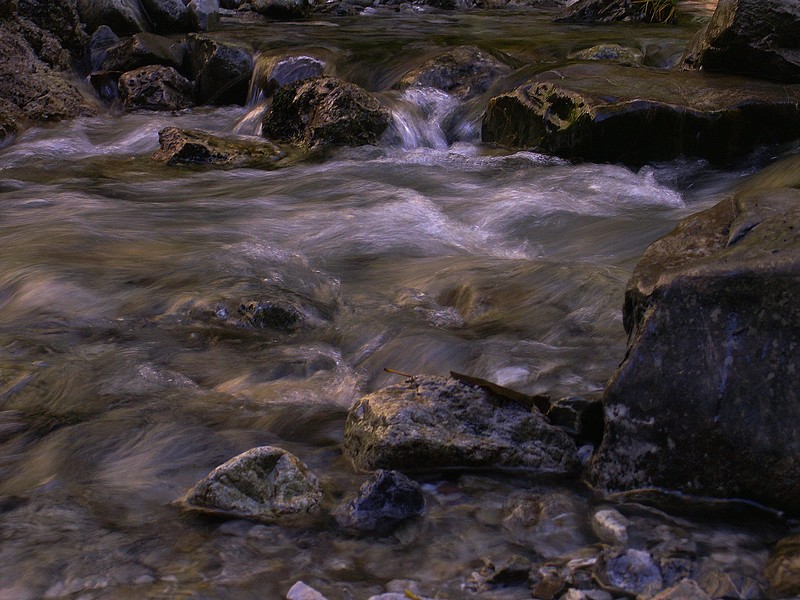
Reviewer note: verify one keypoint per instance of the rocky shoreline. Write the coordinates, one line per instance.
(704, 407)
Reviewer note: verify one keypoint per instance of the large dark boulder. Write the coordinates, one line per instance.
(60, 19)
(706, 401)
(222, 71)
(605, 112)
(141, 50)
(124, 17)
(167, 16)
(383, 502)
(272, 72)
(155, 88)
(753, 37)
(463, 72)
(195, 147)
(428, 422)
(283, 9)
(203, 14)
(325, 111)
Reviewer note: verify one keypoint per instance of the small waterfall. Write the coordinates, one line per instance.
(420, 117)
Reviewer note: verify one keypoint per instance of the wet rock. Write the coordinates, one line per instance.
(581, 417)
(102, 39)
(60, 19)
(783, 568)
(733, 586)
(32, 91)
(203, 14)
(155, 88)
(685, 590)
(463, 72)
(547, 582)
(301, 591)
(511, 571)
(622, 55)
(167, 16)
(264, 483)
(575, 594)
(550, 524)
(605, 112)
(754, 37)
(713, 322)
(632, 572)
(604, 11)
(611, 527)
(429, 422)
(124, 17)
(222, 72)
(272, 72)
(325, 112)
(383, 502)
(142, 50)
(283, 9)
(196, 147)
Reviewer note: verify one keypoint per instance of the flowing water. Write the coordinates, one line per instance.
(129, 369)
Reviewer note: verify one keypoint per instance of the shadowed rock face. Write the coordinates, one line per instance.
(325, 111)
(222, 71)
(155, 88)
(431, 422)
(605, 112)
(384, 501)
(706, 401)
(753, 37)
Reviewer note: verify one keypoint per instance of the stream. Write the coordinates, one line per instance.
(127, 374)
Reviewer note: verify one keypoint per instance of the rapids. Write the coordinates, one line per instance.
(428, 253)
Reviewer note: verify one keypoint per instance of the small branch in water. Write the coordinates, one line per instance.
(393, 372)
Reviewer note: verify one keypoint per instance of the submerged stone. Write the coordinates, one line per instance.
(302, 591)
(623, 55)
(264, 483)
(196, 147)
(606, 112)
(632, 572)
(706, 401)
(383, 502)
(430, 422)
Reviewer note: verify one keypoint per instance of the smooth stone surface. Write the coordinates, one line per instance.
(430, 422)
(301, 591)
(195, 147)
(462, 72)
(203, 14)
(264, 483)
(605, 112)
(706, 401)
(382, 503)
(155, 88)
(272, 72)
(753, 37)
(610, 526)
(222, 71)
(325, 111)
(622, 55)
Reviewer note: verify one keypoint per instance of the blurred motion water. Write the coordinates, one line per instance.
(129, 369)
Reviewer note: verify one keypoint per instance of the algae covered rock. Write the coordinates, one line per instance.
(324, 111)
(606, 112)
(754, 37)
(430, 422)
(706, 401)
(196, 147)
(264, 483)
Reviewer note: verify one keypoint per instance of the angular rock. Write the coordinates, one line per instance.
(283, 9)
(429, 422)
(142, 50)
(167, 16)
(783, 568)
(706, 401)
(604, 112)
(581, 417)
(155, 88)
(195, 147)
(203, 14)
(124, 17)
(753, 37)
(463, 72)
(632, 572)
(686, 589)
(102, 39)
(272, 72)
(325, 112)
(264, 483)
(222, 71)
(383, 502)
(301, 591)
(622, 55)
(60, 19)
(606, 11)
